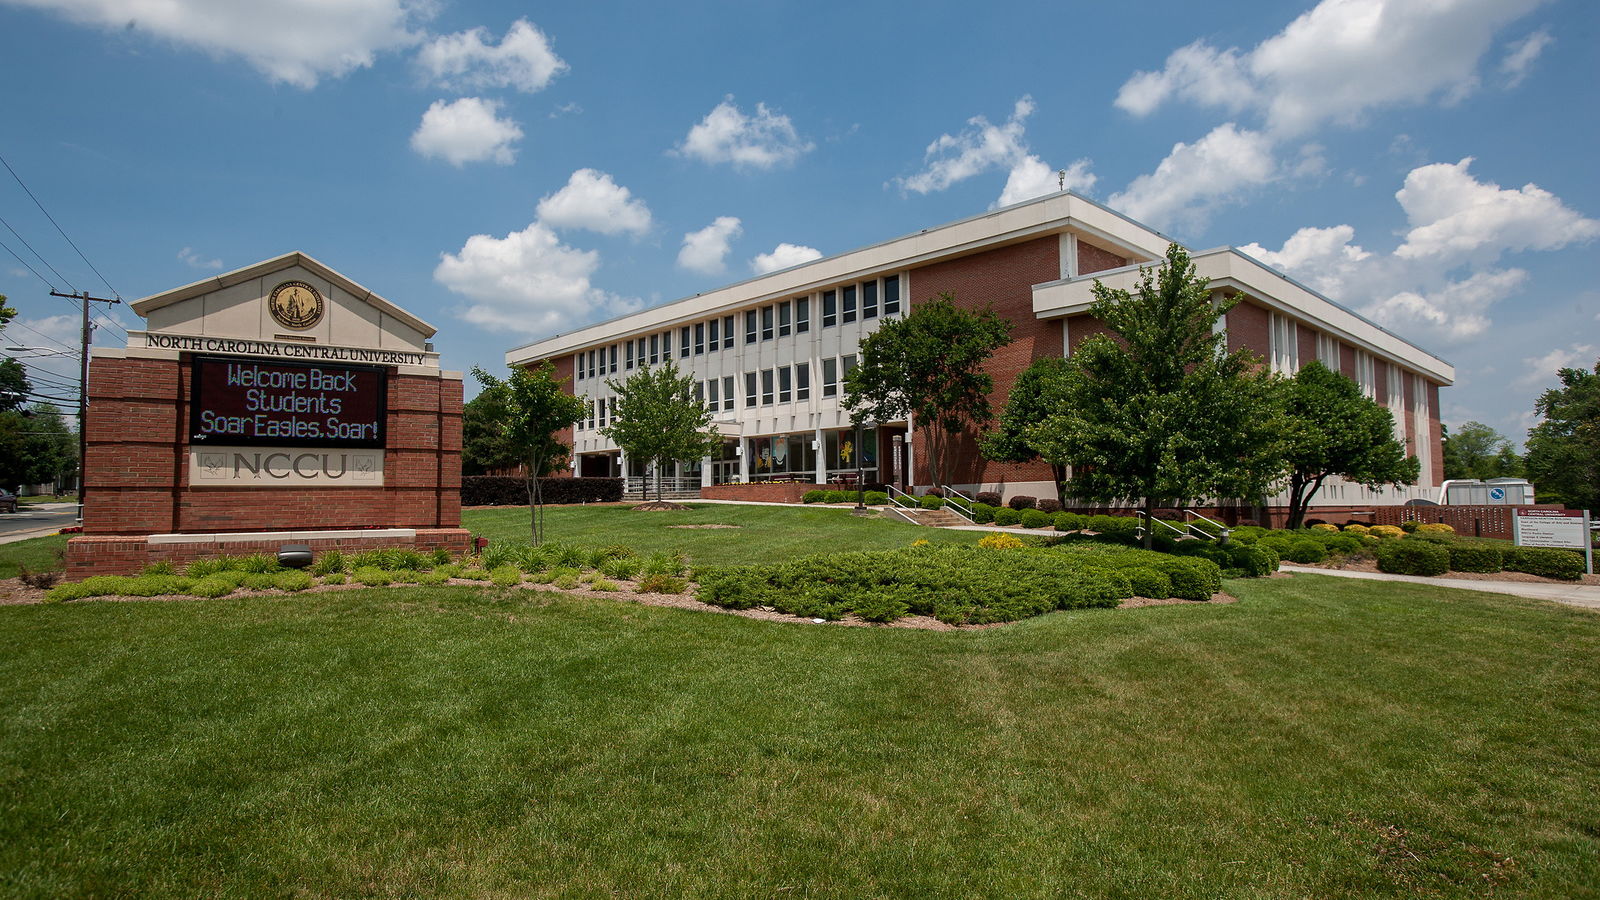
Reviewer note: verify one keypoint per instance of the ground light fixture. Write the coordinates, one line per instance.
(294, 556)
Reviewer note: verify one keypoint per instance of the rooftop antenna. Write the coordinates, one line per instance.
(1061, 180)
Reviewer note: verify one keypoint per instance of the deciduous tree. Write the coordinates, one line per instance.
(1035, 395)
(1330, 428)
(1477, 451)
(658, 420)
(535, 408)
(929, 365)
(1158, 412)
(484, 445)
(1563, 458)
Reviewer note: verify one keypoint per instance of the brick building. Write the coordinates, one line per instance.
(769, 354)
(166, 483)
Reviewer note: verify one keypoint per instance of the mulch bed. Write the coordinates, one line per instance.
(13, 592)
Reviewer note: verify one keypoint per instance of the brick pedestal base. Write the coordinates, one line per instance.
(128, 554)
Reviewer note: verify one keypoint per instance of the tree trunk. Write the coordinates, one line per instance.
(1058, 471)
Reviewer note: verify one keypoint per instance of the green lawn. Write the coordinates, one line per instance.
(40, 554)
(765, 533)
(1321, 738)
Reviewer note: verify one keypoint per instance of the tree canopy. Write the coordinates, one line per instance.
(1563, 458)
(36, 447)
(658, 420)
(533, 408)
(1331, 428)
(928, 365)
(1477, 451)
(1158, 412)
(1035, 395)
(484, 444)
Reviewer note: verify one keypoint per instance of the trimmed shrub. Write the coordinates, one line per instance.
(405, 576)
(1386, 531)
(1468, 556)
(816, 496)
(432, 578)
(333, 578)
(1435, 528)
(1001, 542)
(498, 490)
(877, 498)
(474, 574)
(1324, 526)
(1410, 526)
(837, 497)
(1358, 528)
(1036, 518)
(292, 580)
(210, 587)
(1049, 505)
(1070, 521)
(1116, 526)
(566, 582)
(1343, 543)
(1022, 502)
(1147, 582)
(880, 607)
(371, 576)
(1007, 516)
(1305, 551)
(257, 581)
(657, 583)
(931, 501)
(990, 498)
(934, 492)
(982, 513)
(505, 576)
(1546, 562)
(603, 584)
(1409, 557)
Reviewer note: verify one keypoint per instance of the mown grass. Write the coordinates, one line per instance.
(1321, 738)
(41, 554)
(764, 533)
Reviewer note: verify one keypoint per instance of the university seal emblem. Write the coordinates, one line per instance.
(295, 304)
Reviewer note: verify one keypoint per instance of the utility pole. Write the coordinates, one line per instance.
(83, 393)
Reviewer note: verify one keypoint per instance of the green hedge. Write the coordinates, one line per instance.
(1412, 557)
(1468, 556)
(1546, 562)
(1005, 515)
(982, 513)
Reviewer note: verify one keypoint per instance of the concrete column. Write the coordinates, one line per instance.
(744, 460)
(705, 472)
(911, 463)
(822, 461)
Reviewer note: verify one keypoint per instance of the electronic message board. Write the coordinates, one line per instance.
(256, 402)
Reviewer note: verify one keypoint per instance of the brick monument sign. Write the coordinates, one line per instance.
(281, 403)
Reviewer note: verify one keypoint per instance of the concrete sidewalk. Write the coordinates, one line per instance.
(1584, 595)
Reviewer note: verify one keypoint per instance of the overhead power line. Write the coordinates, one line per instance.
(37, 254)
(59, 229)
(28, 267)
(16, 323)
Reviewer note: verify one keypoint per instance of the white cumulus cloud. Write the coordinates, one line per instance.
(467, 130)
(1227, 163)
(1520, 56)
(1324, 259)
(1453, 214)
(782, 257)
(527, 281)
(1456, 311)
(984, 147)
(1542, 369)
(1336, 62)
(469, 60)
(764, 140)
(706, 250)
(297, 42)
(592, 200)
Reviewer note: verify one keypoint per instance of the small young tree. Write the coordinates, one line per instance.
(1331, 428)
(535, 408)
(1159, 412)
(658, 420)
(1035, 395)
(928, 365)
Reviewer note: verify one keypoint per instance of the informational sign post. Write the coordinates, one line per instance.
(1565, 528)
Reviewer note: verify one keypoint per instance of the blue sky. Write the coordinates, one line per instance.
(508, 170)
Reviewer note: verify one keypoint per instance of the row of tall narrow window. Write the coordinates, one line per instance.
(866, 300)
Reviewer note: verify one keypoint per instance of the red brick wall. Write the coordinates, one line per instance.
(1347, 360)
(1094, 259)
(776, 492)
(1004, 279)
(1250, 328)
(1435, 434)
(1307, 337)
(138, 472)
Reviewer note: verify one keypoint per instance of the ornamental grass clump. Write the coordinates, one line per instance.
(328, 562)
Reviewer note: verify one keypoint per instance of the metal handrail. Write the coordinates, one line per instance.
(909, 502)
(1223, 531)
(964, 512)
(1139, 531)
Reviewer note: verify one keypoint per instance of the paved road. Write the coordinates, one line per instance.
(36, 521)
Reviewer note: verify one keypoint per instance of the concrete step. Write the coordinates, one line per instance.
(935, 518)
